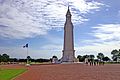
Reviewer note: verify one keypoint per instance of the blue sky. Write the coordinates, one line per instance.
(40, 24)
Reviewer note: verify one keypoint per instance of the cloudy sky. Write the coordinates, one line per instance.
(40, 24)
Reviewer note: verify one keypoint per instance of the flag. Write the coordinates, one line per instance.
(26, 46)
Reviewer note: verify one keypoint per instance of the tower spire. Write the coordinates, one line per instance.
(68, 12)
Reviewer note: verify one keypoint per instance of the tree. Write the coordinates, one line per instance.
(0, 58)
(28, 59)
(22, 60)
(13, 60)
(106, 59)
(91, 56)
(5, 58)
(116, 54)
(100, 56)
(54, 56)
(84, 56)
(80, 58)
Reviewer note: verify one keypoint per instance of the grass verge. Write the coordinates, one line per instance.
(8, 74)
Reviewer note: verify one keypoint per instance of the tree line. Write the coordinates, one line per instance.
(6, 58)
(115, 57)
(100, 57)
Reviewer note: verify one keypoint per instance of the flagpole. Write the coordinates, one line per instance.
(26, 46)
(27, 55)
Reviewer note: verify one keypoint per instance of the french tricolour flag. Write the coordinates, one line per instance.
(26, 46)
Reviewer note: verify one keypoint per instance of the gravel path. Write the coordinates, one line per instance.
(71, 72)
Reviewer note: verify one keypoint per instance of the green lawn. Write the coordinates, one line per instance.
(8, 74)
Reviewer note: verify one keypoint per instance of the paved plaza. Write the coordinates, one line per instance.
(70, 72)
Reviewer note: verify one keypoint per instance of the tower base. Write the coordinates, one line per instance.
(68, 56)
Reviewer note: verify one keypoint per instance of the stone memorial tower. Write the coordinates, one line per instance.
(68, 49)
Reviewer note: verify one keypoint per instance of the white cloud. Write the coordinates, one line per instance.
(52, 47)
(104, 48)
(107, 32)
(84, 6)
(27, 18)
(107, 38)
